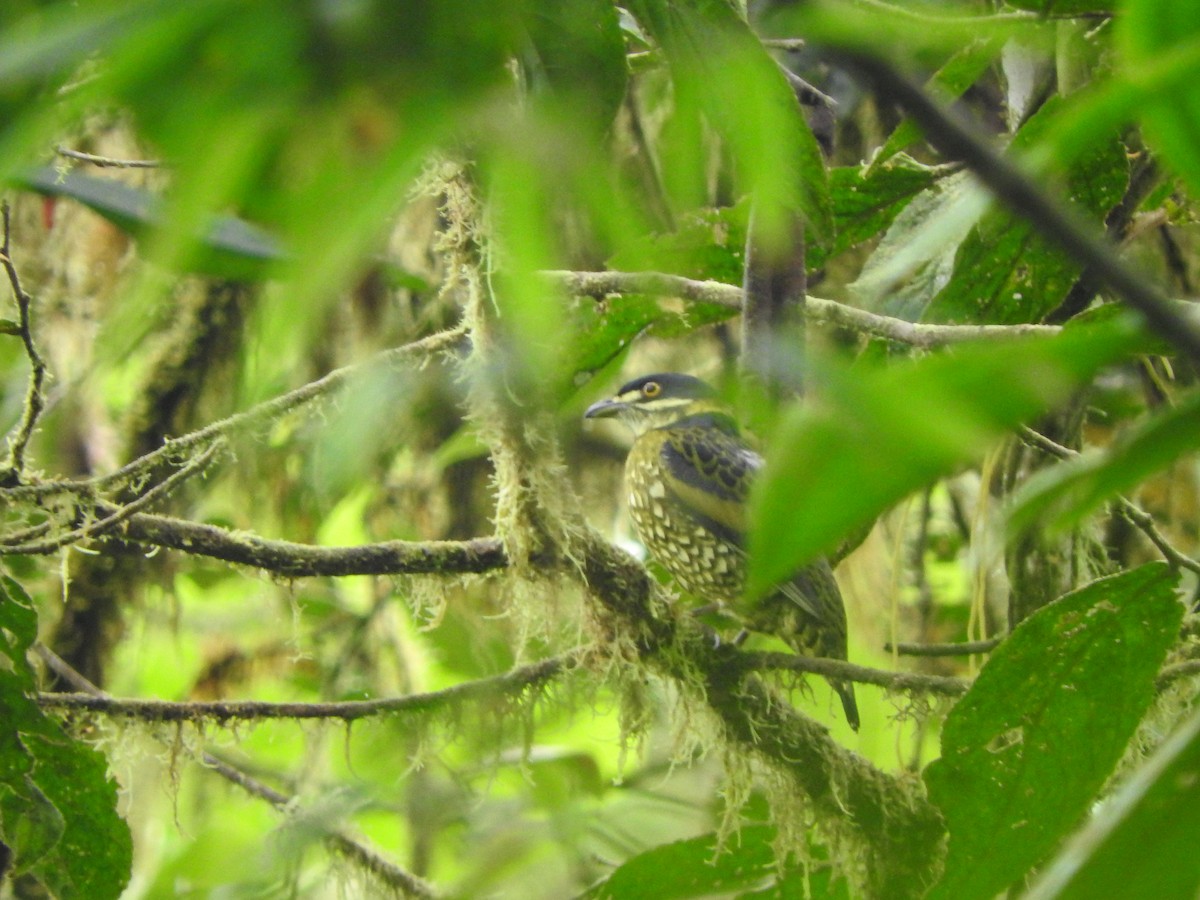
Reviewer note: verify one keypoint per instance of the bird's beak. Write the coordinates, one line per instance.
(604, 409)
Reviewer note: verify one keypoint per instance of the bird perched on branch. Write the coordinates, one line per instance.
(687, 477)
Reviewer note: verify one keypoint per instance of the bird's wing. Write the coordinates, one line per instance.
(710, 470)
(815, 590)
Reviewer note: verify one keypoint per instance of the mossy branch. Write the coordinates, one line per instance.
(900, 831)
(511, 684)
(815, 309)
(404, 883)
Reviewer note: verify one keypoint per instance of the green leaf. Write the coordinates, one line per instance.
(866, 200)
(948, 83)
(579, 53)
(707, 244)
(890, 431)
(1005, 272)
(1142, 843)
(701, 867)
(719, 65)
(602, 330)
(1038, 734)
(57, 804)
(1060, 495)
(1147, 31)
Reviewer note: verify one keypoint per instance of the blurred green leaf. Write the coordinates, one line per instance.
(230, 247)
(893, 430)
(1005, 272)
(57, 803)
(578, 51)
(719, 65)
(1141, 843)
(1060, 495)
(707, 244)
(1148, 30)
(948, 83)
(1038, 734)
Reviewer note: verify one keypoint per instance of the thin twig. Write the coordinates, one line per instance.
(954, 648)
(18, 443)
(1023, 196)
(121, 513)
(830, 312)
(511, 683)
(268, 409)
(1170, 674)
(844, 671)
(1133, 513)
(107, 161)
(395, 877)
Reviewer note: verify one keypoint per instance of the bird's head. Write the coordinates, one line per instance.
(654, 401)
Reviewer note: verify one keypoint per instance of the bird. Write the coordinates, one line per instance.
(687, 479)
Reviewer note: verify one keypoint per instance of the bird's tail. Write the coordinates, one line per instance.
(845, 690)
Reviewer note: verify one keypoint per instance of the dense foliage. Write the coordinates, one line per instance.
(312, 580)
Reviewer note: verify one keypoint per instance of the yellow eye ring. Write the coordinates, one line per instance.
(651, 389)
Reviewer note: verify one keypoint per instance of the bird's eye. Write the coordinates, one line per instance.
(651, 389)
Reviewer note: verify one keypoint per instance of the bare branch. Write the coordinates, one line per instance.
(107, 162)
(18, 442)
(956, 648)
(1136, 516)
(830, 312)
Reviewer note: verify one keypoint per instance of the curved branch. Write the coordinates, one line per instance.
(120, 513)
(816, 309)
(511, 683)
(293, 560)
(172, 448)
(395, 877)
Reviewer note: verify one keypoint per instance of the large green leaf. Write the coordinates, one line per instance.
(57, 804)
(1060, 495)
(1027, 748)
(880, 434)
(1142, 843)
(1005, 272)
(1149, 30)
(702, 867)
